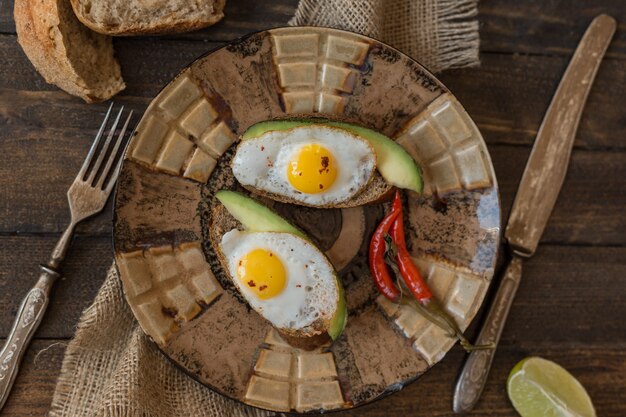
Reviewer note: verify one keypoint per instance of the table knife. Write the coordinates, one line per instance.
(537, 193)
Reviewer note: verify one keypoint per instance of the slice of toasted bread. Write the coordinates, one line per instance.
(66, 53)
(376, 191)
(317, 334)
(137, 17)
(253, 173)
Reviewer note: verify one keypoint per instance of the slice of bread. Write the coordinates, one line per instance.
(221, 222)
(376, 191)
(136, 17)
(257, 154)
(66, 53)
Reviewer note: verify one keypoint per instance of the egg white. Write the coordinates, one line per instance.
(262, 162)
(310, 292)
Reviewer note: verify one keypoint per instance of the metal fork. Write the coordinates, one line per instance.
(87, 196)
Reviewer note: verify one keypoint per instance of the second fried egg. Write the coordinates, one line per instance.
(282, 276)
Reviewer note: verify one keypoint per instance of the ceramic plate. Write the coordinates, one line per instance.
(179, 157)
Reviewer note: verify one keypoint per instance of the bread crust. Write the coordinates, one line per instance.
(376, 191)
(39, 33)
(154, 28)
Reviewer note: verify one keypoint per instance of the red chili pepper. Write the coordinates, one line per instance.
(381, 275)
(411, 275)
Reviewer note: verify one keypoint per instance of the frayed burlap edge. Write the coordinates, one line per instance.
(440, 34)
(111, 369)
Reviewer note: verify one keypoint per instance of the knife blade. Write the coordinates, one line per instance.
(536, 196)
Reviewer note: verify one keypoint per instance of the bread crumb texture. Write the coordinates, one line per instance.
(133, 17)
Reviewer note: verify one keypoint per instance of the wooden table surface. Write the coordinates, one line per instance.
(571, 303)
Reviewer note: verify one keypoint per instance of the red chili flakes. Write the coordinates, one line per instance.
(325, 163)
(321, 187)
(271, 254)
(306, 265)
(262, 148)
(262, 287)
(251, 283)
(298, 286)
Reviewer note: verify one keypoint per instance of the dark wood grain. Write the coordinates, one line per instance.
(83, 273)
(601, 370)
(572, 297)
(590, 208)
(549, 27)
(507, 96)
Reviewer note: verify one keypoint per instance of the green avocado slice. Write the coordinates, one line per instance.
(395, 165)
(339, 320)
(256, 217)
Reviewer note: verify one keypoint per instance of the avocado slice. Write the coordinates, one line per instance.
(258, 129)
(256, 217)
(339, 320)
(395, 165)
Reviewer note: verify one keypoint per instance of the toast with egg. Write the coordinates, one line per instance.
(376, 191)
(322, 317)
(287, 160)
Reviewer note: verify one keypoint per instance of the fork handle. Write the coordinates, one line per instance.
(28, 318)
(60, 250)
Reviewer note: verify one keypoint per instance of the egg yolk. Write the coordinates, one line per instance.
(262, 272)
(313, 170)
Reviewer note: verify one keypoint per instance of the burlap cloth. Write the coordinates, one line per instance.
(110, 368)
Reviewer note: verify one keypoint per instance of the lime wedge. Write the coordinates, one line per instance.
(541, 388)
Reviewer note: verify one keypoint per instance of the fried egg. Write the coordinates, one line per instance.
(283, 277)
(314, 165)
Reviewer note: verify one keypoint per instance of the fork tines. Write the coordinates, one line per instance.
(92, 172)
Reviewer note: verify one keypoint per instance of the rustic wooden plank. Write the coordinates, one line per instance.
(507, 96)
(569, 302)
(598, 368)
(7, 25)
(590, 208)
(32, 393)
(569, 294)
(601, 370)
(545, 27)
(84, 271)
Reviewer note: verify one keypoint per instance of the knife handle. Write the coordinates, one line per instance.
(472, 380)
(28, 318)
